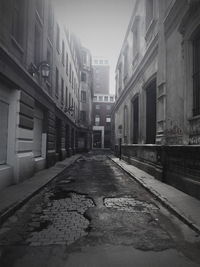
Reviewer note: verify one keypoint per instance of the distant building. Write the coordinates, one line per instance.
(101, 120)
(157, 111)
(101, 76)
(102, 104)
(85, 97)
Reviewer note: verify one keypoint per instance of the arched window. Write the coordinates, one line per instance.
(125, 124)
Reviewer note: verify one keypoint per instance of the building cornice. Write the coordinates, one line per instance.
(129, 28)
(175, 12)
(151, 51)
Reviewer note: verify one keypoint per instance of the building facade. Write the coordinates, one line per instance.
(101, 120)
(39, 117)
(157, 87)
(85, 96)
(101, 76)
(102, 104)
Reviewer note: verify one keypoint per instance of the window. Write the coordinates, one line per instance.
(95, 98)
(196, 75)
(108, 107)
(120, 77)
(62, 91)
(63, 52)
(69, 99)
(100, 98)
(125, 122)
(18, 21)
(49, 60)
(37, 132)
(135, 39)
(83, 116)
(106, 98)
(3, 131)
(96, 61)
(83, 76)
(111, 98)
(67, 63)
(83, 96)
(126, 62)
(39, 7)
(97, 106)
(50, 21)
(57, 38)
(84, 56)
(149, 12)
(66, 97)
(37, 44)
(97, 120)
(72, 79)
(108, 119)
(70, 72)
(57, 83)
(100, 61)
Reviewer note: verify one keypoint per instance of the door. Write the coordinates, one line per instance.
(97, 139)
(3, 131)
(151, 113)
(135, 120)
(37, 132)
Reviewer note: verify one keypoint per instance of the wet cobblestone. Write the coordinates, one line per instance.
(129, 205)
(63, 219)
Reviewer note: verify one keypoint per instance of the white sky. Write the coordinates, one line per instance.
(101, 26)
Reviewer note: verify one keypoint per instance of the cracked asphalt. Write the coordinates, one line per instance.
(95, 215)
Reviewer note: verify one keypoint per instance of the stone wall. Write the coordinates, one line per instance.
(176, 165)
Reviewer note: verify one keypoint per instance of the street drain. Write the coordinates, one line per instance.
(68, 221)
(129, 205)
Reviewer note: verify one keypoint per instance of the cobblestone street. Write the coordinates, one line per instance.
(93, 214)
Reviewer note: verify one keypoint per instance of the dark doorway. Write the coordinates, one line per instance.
(67, 136)
(58, 139)
(151, 113)
(135, 120)
(72, 140)
(97, 139)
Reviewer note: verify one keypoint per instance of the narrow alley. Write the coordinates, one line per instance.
(94, 214)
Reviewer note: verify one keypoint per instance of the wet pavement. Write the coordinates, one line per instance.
(93, 214)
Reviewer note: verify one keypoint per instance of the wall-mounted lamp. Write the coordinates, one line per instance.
(69, 109)
(43, 68)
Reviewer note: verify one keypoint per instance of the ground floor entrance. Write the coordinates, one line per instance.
(97, 139)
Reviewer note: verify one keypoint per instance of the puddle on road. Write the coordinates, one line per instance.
(65, 220)
(129, 205)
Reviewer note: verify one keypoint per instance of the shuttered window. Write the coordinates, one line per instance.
(3, 131)
(37, 132)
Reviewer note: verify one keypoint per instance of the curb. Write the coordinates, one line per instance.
(162, 200)
(12, 209)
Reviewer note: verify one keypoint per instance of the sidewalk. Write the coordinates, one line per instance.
(182, 205)
(13, 197)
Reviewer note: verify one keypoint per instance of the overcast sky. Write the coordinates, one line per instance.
(101, 26)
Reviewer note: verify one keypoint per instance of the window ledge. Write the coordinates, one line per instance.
(135, 59)
(39, 18)
(38, 158)
(4, 167)
(194, 118)
(150, 29)
(50, 41)
(17, 45)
